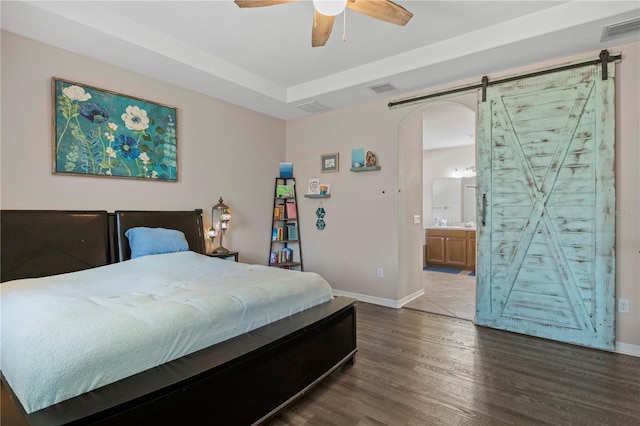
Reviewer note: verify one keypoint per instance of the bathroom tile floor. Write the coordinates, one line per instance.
(446, 294)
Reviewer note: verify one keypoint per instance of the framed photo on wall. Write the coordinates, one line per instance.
(329, 162)
(97, 132)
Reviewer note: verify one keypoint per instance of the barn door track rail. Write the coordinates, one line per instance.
(603, 59)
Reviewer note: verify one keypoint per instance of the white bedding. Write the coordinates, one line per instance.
(68, 334)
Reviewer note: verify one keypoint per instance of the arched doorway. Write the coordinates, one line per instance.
(446, 142)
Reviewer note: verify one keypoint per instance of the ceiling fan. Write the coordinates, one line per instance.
(325, 12)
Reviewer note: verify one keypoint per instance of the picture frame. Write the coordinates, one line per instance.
(101, 133)
(284, 191)
(357, 157)
(314, 186)
(325, 189)
(330, 162)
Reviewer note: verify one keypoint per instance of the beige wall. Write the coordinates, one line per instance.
(362, 233)
(362, 213)
(410, 233)
(219, 154)
(628, 192)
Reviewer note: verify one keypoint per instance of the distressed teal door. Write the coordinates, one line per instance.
(546, 196)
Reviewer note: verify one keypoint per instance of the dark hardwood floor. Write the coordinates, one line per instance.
(416, 368)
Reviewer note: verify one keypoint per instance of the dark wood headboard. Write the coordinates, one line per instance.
(189, 222)
(36, 243)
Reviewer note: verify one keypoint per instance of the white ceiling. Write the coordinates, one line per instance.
(447, 125)
(262, 59)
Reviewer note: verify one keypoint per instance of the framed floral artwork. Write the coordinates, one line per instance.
(329, 162)
(98, 132)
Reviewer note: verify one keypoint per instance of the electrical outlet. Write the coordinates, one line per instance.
(380, 272)
(623, 305)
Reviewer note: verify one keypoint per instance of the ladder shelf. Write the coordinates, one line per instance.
(286, 248)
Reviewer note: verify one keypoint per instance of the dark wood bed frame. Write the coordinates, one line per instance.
(241, 381)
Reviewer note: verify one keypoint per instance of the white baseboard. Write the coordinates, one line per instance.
(411, 297)
(621, 347)
(389, 303)
(628, 349)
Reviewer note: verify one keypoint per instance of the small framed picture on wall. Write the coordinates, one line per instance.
(314, 186)
(329, 162)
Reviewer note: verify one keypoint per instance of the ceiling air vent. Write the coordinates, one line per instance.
(314, 107)
(620, 29)
(383, 87)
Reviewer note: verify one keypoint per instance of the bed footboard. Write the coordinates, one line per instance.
(241, 381)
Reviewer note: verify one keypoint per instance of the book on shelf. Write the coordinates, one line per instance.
(292, 232)
(281, 256)
(281, 233)
(291, 211)
(284, 191)
(278, 212)
(288, 254)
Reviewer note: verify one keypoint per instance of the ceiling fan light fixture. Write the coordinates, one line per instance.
(330, 7)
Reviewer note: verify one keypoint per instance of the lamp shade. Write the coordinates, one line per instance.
(330, 7)
(221, 206)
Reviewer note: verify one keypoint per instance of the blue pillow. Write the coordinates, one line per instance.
(145, 241)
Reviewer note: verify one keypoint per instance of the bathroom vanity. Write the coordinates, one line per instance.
(451, 246)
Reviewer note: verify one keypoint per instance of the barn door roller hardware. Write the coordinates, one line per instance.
(604, 58)
(485, 83)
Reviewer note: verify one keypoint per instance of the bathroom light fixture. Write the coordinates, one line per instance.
(464, 171)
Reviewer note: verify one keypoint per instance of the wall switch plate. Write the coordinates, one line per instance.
(416, 218)
(380, 272)
(623, 306)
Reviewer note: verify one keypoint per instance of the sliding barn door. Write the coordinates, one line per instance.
(546, 200)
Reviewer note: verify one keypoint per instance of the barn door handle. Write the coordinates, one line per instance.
(484, 209)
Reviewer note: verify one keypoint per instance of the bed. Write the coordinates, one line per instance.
(243, 375)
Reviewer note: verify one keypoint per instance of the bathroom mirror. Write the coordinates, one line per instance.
(453, 200)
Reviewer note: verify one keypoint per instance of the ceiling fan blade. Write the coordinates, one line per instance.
(322, 26)
(260, 3)
(384, 10)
